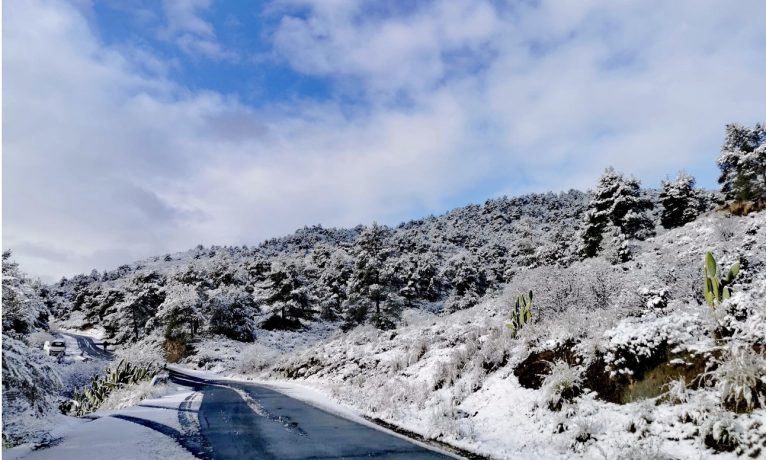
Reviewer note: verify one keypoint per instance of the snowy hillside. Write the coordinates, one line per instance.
(621, 323)
(316, 275)
(622, 361)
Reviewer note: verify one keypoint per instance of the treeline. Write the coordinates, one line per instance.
(370, 274)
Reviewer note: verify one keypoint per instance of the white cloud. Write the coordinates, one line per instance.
(190, 32)
(103, 164)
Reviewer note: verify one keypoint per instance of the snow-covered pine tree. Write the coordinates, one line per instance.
(180, 313)
(23, 309)
(468, 280)
(332, 285)
(232, 310)
(681, 202)
(288, 290)
(370, 291)
(743, 164)
(618, 200)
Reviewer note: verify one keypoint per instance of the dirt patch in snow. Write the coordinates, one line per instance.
(639, 378)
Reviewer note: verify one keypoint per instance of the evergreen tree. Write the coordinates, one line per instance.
(333, 284)
(289, 290)
(681, 202)
(743, 164)
(181, 311)
(617, 200)
(371, 297)
(468, 281)
(232, 311)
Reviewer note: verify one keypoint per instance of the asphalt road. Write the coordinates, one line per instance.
(89, 347)
(243, 421)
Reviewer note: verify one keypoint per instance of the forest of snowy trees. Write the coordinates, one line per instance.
(370, 274)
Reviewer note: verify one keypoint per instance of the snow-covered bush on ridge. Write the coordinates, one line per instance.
(255, 358)
(562, 385)
(740, 377)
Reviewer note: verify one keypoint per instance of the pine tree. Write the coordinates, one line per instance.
(681, 202)
(333, 284)
(617, 200)
(289, 291)
(468, 280)
(743, 164)
(232, 311)
(181, 310)
(371, 296)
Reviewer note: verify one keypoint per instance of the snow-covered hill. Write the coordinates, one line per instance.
(623, 361)
(622, 358)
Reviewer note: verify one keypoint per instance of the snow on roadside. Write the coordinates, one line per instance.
(114, 438)
(106, 437)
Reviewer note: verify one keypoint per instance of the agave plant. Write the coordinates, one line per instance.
(90, 399)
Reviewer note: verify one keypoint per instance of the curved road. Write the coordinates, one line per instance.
(88, 346)
(241, 420)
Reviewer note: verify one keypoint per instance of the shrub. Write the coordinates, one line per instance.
(741, 379)
(255, 358)
(722, 433)
(562, 385)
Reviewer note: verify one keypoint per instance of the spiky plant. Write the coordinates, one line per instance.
(521, 314)
(717, 289)
(90, 399)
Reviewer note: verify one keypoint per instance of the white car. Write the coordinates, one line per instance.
(54, 347)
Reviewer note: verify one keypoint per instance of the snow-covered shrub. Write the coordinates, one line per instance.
(443, 420)
(256, 358)
(562, 385)
(741, 378)
(31, 385)
(583, 431)
(416, 351)
(78, 375)
(29, 373)
(644, 449)
(130, 395)
(676, 391)
(722, 433)
(654, 299)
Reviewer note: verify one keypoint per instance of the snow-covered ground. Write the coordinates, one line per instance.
(109, 436)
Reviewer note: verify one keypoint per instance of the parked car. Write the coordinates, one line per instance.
(54, 347)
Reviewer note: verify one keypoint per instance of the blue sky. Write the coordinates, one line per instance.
(134, 128)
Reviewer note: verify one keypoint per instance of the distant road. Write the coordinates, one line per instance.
(88, 346)
(271, 425)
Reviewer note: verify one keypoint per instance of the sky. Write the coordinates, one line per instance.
(135, 128)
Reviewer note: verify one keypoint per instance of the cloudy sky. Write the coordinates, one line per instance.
(134, 128)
